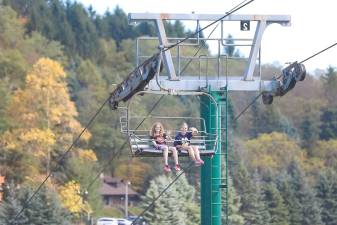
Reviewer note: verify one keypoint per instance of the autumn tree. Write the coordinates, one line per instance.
(133, 170)
(72, 200)
(272, 152)
(326, 152)
(43, 119)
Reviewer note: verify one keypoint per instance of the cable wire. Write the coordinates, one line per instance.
(118, 153)
(61, 159)
(122, 147)
(310, 57)
(318, 53)
(161, 193)
(202, 45)
(236, 8)
(245, 109)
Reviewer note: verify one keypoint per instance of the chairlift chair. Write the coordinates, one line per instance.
(140, 140)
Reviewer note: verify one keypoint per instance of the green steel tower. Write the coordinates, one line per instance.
(214, 191)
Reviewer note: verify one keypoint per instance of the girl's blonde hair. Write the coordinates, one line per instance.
(152, 131)
(183, 124)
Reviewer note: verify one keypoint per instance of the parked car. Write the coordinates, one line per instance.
(107, 221)
(122, 221)
(140, 220)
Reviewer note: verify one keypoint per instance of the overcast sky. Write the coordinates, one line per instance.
(313, 24)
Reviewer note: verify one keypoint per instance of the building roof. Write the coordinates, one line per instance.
(114, 186)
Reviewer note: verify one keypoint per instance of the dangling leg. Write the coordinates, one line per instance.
(198, 161)
(175, 157)
(191, 152)
(196, 152)
(165, 155)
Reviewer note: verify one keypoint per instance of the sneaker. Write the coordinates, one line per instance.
(177, 167)
(167, 168)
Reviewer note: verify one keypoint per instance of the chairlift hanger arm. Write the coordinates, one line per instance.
(135, 81)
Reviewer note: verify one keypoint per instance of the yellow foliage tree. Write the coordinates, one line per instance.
(134, 171)
(272, 152)
(72, 200)
(43, 116)
(327, 152)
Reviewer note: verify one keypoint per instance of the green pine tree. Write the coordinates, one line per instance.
(159, 213)
(310, 210)
(44, 208)
(234, 204)
(290, 200)
(230, 48)
(329, 123)
(327, 195)
(174, 206)
(329, 80)
(10, 207)
(253, 208)
(279, 213)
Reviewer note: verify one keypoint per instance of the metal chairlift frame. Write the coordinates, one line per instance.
(211, 178)
(133, 137)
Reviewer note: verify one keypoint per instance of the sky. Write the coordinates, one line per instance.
(313, 25)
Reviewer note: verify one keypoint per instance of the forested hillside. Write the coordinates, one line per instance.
(58, 63)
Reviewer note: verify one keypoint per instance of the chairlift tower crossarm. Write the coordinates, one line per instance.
(235, 83)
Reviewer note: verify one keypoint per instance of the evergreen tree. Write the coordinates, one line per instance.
(117, 25)
(4, 100)
(231, 114)
(10, 208)
(43, 209)
(86, 36)
(279, 214)
(329, 123)
(310, 210)
(268, 118)
(191, 210)
(309, 127)
(253, 208)
(40, 18)
(290, 200)
(159, 213)
(253, 132)
(234, 205)
(230, 48)
(327, 195)
(146, 28)
(174, 206)
(11, 29)
(63, 30)
(330, 85)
